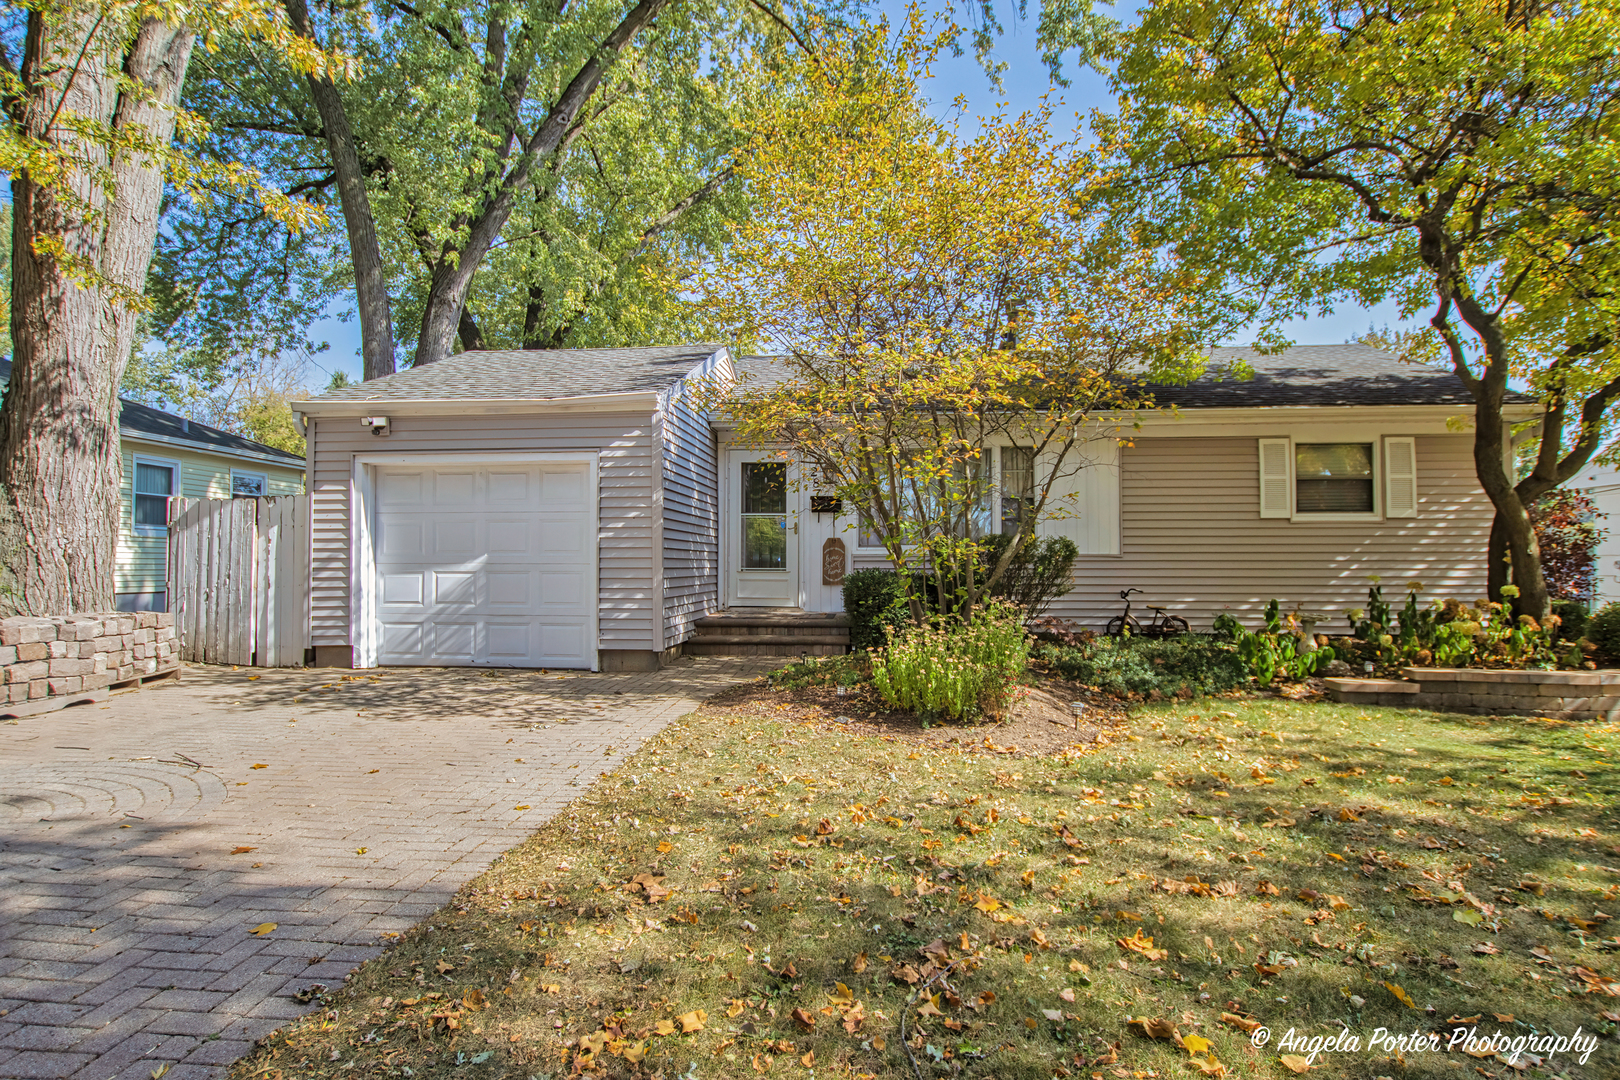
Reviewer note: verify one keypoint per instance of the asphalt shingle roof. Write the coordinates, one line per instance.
(1301, 375)
(144, 420)
(533, 373)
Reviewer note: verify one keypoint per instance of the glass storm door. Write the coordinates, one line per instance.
(763, 535)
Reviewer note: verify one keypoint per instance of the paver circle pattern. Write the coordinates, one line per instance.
(99, 791)
(142, 840)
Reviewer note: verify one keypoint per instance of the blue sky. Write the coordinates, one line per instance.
(1023, 85)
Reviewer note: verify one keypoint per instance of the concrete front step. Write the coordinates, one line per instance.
(701, 647)
(772, 638)
(770, 632)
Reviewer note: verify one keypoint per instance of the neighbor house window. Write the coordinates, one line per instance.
(1017, 487)
(247, 485)
(154, 484)
(1333, 478)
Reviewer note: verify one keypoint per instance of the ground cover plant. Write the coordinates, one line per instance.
(759, 892)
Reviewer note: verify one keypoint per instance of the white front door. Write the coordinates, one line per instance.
(485, 564)
(760, 532)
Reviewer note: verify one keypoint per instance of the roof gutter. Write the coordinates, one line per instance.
(344, 407)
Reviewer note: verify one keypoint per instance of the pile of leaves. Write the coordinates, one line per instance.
(748, 897)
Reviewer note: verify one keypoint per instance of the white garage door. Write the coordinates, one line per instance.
(486, 565)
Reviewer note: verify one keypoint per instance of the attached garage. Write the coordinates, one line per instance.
(485, 562)
(521, 508)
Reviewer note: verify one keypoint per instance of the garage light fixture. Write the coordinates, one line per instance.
(377, 424)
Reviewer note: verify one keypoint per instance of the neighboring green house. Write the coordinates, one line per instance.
(163, 455)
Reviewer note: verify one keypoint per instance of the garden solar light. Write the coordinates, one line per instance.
(1076, 709)
(1367, 667)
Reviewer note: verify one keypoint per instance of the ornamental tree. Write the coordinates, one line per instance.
(929, 300)
(1456, 156)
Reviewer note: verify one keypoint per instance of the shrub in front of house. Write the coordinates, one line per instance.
(1184, 666)
(1603, 630)
(950, 670)
(875, 601)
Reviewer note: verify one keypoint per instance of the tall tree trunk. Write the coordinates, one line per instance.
(73, 319)
(1497, 564)
(365, 253)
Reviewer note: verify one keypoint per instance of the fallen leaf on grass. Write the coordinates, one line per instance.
(805, 1021)
(262, 929)
(843, 995)
(635, 1052)
(1137, 943)
(664, 1027)
(858, 964)
(1266, 888)
(1196, 1045)
(1468, 916)
(736, 1007)
(665, 847)
(1067, 994)
(692, 1021)
(1503, 1018)
(474, 1000)
(1054, 1015)
(1295, 1064)
(809, 1059)
(930, 1006)
(1485, 948)
(854, 1017)
(1400, 995)
(443, 967)
(1242, 1023)
(1154, 1027)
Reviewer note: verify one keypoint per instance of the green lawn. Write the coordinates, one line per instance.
(757, 894)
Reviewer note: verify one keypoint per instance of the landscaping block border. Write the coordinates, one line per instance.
(1566, 695)
(52, 662)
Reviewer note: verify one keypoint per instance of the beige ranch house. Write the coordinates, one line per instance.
(575, 509)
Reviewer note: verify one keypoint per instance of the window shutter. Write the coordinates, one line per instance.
(1276, 478)
(1400, 477)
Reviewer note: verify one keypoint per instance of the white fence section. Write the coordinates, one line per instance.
(239, 579)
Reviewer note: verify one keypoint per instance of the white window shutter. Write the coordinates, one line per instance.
(1400, 477)
(1276, 478)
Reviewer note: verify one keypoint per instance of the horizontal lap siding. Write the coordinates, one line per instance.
(691, 518)
(1194, 542)
(628, 471)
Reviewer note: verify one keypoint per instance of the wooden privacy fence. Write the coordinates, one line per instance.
(239, 579)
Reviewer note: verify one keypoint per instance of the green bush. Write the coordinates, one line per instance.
(1603, 630)
(875, 601)
(955, 671)
(1572, 615)
(1184, 665)
(1041, 573)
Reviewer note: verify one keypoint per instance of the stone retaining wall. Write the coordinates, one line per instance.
(64, 659)
(1567, 695)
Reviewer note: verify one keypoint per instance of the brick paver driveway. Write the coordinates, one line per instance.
(142, 840)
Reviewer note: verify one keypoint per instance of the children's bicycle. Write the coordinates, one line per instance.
(1163, 625)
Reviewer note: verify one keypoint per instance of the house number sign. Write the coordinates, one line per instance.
(832, 562)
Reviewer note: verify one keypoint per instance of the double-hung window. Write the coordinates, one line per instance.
(155, 482)
(1325, 480)
(1017, 487)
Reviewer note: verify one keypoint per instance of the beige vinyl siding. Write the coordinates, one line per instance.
(1193, 540)
(691, 516)
(142, 561)
(628, 472)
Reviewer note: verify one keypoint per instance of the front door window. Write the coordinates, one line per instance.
(764, 515)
